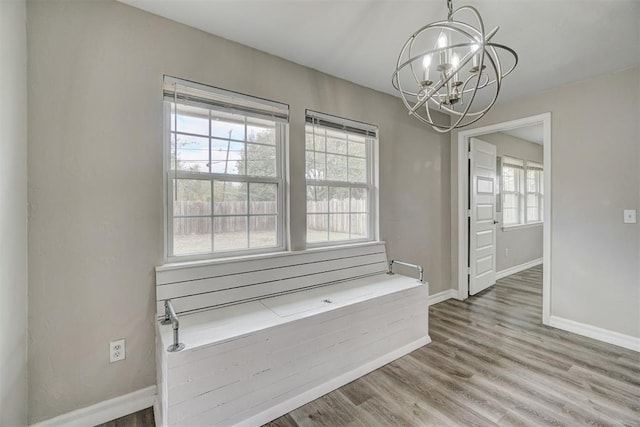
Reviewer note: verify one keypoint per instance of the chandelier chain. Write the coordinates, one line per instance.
(450, 6)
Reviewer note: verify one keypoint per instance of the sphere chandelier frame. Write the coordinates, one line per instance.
(412, 75)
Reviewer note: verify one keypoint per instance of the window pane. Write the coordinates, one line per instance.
(263, 231)
(191, 197)
(263, 198)
(320, 142)
(192, 153)
(511, 201)
(308, 141)
(532, 184)
(192, 120)
(357, 149)
(338, 226)
(317, 228)
(359, 226)
(336, 167)
(336, 145)
(228, 126)
(261, 160)
(357, 170)
(508, 179)
(338, 199)
(227, 157)
(510, 216)
(317, 199)
(532, 208)
(230, 198)
(359, 202)
(316, 165)
(230, 233)
(262, 131)
(191, 236)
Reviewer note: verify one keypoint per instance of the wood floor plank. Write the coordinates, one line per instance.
(491, 362)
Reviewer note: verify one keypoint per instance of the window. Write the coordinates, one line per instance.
(340, 179)
(535, 199)
(522, 192)
(224, 163)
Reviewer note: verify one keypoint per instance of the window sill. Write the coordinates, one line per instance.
(521, 226)
(179, 265)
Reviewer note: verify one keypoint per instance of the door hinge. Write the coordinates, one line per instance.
(470, 155)
(469, 270)
(469, 213)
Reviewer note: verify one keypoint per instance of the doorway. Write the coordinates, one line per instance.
(480, 198)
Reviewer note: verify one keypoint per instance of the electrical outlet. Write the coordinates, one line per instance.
(116, 350)
(629, 216)
(506, 252)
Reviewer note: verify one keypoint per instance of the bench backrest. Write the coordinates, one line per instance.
(223, 282)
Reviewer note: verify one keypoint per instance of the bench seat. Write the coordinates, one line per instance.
(251, 362)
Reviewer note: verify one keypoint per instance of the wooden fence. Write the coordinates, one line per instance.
(237, 221)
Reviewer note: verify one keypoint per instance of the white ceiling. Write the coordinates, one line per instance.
(532, 133)
(558, 41)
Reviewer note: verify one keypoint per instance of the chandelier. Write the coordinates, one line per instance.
(445, 64)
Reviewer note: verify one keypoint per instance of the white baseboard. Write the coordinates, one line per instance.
(600, 334)
(316, 392)
(443, 296)
(518, 268)
(105, 411)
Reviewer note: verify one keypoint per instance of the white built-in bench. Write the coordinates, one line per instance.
(266, 334)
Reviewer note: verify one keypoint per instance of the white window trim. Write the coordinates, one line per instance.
(372, 182)
(283, 194)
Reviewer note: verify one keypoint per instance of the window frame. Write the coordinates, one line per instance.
(347, 126)
(280, 179)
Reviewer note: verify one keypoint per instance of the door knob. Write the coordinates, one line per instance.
(495, 222)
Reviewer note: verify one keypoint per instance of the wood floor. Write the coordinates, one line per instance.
(491, 362)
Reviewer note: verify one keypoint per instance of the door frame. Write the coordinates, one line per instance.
(463, 194)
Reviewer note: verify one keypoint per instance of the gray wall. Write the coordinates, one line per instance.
(595, 163)
(95, 182)
(517, 246)
(13, 214)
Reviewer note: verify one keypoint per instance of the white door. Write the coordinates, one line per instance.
(482, 224)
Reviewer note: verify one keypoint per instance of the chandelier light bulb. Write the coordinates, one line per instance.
(468, 66)
(442, 44)
(442, 40)
(455, 61)
(426, 61)
(474, 49)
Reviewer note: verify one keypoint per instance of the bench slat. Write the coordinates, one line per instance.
(175, 273)
(200, 286)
